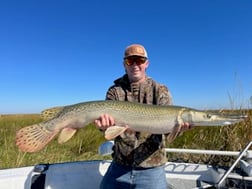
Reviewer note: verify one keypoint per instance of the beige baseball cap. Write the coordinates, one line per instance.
(135, 50)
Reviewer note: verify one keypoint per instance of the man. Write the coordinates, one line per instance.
(138, 158)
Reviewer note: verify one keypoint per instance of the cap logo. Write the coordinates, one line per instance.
(140, 50)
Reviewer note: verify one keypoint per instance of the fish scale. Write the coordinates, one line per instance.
(127, 115)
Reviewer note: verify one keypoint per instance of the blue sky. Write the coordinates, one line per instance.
(59, 52)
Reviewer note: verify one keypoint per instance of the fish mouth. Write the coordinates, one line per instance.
(215, 123)
(221, 120)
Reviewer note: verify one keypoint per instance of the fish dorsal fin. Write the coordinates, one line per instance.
(51, 112)
(114, 131)
(66, 134)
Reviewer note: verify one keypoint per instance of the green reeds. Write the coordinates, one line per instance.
(82, 146)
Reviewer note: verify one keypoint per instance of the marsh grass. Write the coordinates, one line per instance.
(227, 138)
(84, 145)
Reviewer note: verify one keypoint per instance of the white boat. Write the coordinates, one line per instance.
(88, 174)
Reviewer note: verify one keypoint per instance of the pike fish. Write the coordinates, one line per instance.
(127, 115)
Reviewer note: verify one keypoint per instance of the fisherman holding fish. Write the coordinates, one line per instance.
(138, 157)
(131, 116)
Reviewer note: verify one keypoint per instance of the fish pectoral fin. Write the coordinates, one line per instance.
(66, 134)
(171, 136)
(114, 131)
(177, 128)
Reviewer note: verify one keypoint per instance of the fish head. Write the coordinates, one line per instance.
(204, 118)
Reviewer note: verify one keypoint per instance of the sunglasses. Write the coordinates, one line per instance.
(131, 60)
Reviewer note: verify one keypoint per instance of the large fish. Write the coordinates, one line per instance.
(134, 116)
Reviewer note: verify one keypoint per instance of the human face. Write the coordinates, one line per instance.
(135, 67)
(134, 59)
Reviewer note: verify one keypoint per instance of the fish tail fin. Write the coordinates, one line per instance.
(33, 138)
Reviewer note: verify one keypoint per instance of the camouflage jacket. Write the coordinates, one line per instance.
(134, 148)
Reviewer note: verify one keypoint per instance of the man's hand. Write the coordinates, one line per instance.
(104, 121)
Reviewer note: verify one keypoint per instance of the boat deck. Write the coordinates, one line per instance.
(88, 174)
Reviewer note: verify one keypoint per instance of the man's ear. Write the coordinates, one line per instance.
(147, 63)
(124, 67)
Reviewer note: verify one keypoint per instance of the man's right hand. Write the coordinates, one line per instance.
(104, 121)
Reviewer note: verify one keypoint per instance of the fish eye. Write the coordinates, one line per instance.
(209, 116)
